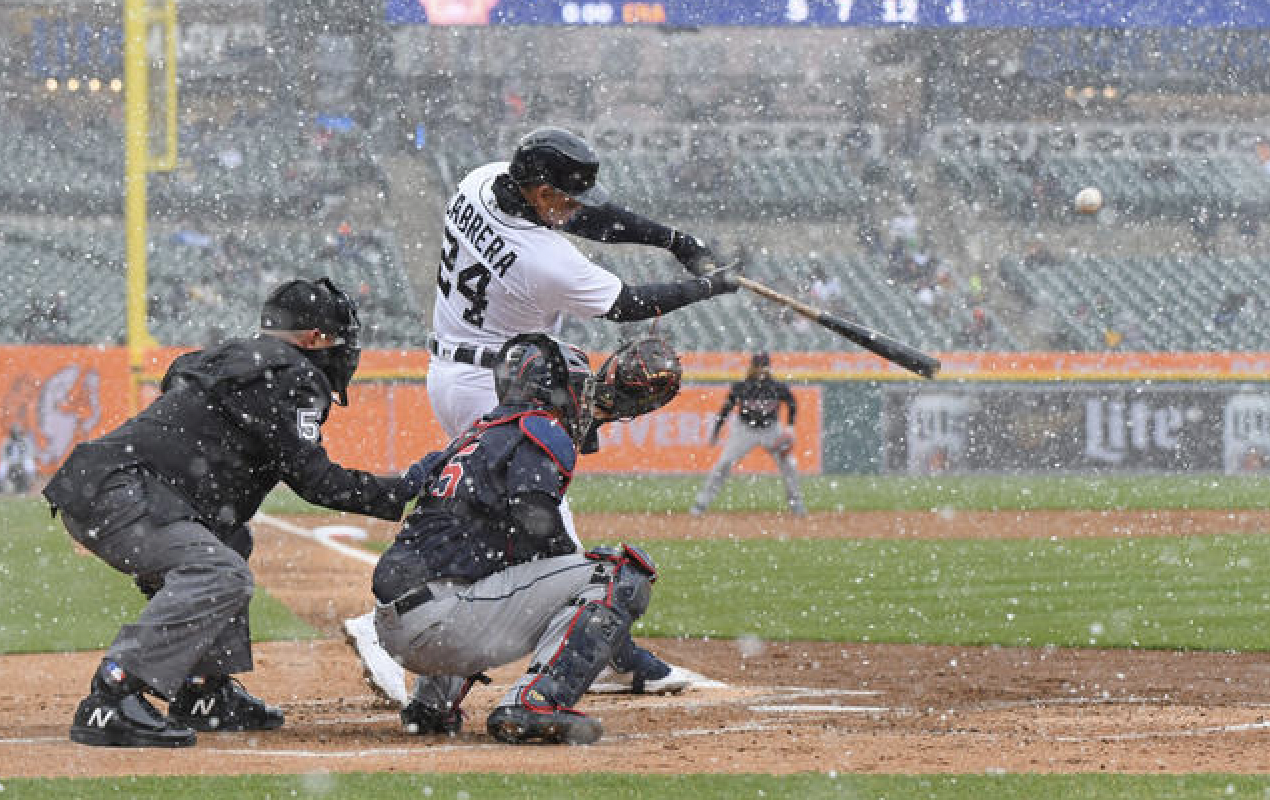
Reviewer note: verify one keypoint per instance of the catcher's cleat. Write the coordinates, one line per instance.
(116, 713)
(651, 675)
(420, 719)
(222, 704)
(384, 675)
(520, 725)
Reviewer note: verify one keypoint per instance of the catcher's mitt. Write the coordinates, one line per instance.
(641, 376)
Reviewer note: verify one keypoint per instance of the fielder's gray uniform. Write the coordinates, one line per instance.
(758, 400)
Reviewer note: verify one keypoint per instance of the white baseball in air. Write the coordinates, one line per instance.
(1088, 200)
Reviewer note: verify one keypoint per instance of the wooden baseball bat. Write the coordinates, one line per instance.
(893, 350)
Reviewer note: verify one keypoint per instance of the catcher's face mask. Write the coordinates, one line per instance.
(535, 369)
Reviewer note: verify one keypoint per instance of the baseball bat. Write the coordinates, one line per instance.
(893, 350)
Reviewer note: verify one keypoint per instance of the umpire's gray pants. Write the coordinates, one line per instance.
(500, 618)
(742, 439)
(196, 623)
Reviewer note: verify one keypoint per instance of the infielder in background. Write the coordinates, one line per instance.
(484, 571)
(165, 498)
(757, 399)
(507, 269)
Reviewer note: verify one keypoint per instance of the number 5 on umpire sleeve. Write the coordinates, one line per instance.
(308, 424)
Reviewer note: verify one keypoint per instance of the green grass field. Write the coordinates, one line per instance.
(885, 493)
(1168, 592)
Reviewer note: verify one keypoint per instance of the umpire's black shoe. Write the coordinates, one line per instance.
(222, 704)
(519, 725)
(420, 719)
(117, 714)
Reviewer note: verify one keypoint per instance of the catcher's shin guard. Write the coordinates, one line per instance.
(591, 633)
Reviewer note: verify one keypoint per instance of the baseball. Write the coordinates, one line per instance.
(1088, 200)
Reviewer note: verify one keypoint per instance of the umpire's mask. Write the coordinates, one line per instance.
(301, 305)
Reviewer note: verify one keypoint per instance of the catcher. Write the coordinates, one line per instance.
(758, 400)
(484, 571)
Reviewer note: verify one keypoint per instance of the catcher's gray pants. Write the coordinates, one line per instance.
(470, 628)
(741, 440)
(196, 622)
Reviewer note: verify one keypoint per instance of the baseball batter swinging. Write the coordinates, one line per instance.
(507, 269)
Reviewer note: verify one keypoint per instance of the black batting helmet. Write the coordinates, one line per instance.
(301, 305)
(563, 161)
(535, 369)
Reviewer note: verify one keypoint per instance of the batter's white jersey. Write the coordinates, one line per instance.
(501, 275)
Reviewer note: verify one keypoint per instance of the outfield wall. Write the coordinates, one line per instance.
(986, 413)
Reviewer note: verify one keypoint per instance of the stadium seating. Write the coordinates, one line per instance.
(198, 293)
(1172, 301)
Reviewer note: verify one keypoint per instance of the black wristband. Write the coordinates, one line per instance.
(635, 303)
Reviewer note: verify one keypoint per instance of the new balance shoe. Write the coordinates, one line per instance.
(519, 725)
(116, 713)
(220, 703)
(650, 675)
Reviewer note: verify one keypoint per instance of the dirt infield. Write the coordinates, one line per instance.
(788, 707)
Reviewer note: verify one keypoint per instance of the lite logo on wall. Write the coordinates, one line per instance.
(996, 428)
(1114, 427)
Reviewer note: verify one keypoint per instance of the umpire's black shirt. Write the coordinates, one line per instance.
(232, 422)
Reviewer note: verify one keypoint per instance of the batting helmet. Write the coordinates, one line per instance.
(536, 369)
(301, 305)
(563, 161)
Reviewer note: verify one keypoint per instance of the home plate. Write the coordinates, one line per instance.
(341, 532)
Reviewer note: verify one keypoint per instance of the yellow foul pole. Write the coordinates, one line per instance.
(138, 163)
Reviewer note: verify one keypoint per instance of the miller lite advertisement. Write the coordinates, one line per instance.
(1085, 428)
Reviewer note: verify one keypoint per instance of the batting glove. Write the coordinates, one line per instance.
(691, 252)
(722, 280)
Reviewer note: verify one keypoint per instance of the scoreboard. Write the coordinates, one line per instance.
(829, 13)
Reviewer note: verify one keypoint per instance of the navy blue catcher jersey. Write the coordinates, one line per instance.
(462, 527)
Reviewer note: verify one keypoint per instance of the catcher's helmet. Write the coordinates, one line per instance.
(562, 160)
(761, 360)
(536, 369)
(301, 305)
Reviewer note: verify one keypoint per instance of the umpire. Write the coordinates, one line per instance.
(165, 498)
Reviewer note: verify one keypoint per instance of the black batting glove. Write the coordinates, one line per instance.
(722, 280)
(691, 252)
